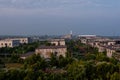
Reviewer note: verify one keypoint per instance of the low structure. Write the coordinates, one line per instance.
(24, 56)
(110, 52)
(57, 42)
(68, 36)
(22, 40)
(13, 42)
(9, 43)
(87, 36)
(101, 49)
(84, 41)
(110, 46)
(46, 51)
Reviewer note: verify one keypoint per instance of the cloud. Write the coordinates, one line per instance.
(13, 1)
(45, 3)
(54, 7)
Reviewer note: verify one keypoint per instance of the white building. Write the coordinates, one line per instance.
(12, 42)
(86, 35)
(26, 55)
(9, 43)
(57, 42)
(22, 40)
(84, 41)
(46, 51)
(110, 52)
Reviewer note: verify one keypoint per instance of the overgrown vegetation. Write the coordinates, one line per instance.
(82, 62)
(23, 48)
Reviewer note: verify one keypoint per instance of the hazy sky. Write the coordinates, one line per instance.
(39, 17)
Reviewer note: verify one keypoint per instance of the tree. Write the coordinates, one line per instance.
(14, 74)
(14, 58)
(35, 62)
(2, 75)
(115, 76)
(76, 71)
(54, 60)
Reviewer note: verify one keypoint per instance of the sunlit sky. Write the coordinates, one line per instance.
(58, 17)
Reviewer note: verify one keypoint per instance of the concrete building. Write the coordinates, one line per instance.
(84, 41)
(26, 55)
(22, 40)
(101, 49)
(68, 36)
(9, 43)
(87, 36)
(13, 42)
(57, 42)
(46, 51)
(103, 44)
(110, 52)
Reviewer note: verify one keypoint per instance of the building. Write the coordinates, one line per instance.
(26, 55)
(13, 42)
(110, 52)
(9, 43)
(87, 36)
(57, 42)
(46, 51)
(103, 44)
(84, 41)
(101, 49)
(22, 40)
(68, 36)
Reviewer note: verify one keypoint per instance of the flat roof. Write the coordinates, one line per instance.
(87, 35)
(27, 54)
(51, 47)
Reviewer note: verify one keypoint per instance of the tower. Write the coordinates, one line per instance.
(71, 32)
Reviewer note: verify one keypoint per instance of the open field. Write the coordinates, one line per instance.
(13, 65)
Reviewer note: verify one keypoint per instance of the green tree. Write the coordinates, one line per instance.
(2, 75)
(115, 76)
(76, 71)
(35, 62)
(54, 60)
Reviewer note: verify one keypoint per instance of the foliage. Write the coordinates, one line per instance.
(23, 48)
(91, 66)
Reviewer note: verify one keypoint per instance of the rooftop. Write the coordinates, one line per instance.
(27, 54)
(51, 47)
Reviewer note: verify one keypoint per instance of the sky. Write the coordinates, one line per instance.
(59, 17)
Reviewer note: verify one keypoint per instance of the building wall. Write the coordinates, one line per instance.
(84, 41)
(69, 36)
(110, 52)
(22, 40)
(54, 42)
(5, 43)
(9, 43)
(15, 43)
(101, 49)
(46, 53)
(62, 51)
(58, 42)
(111, 43)
(62, 43)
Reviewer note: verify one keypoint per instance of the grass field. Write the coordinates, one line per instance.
(13, 65)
